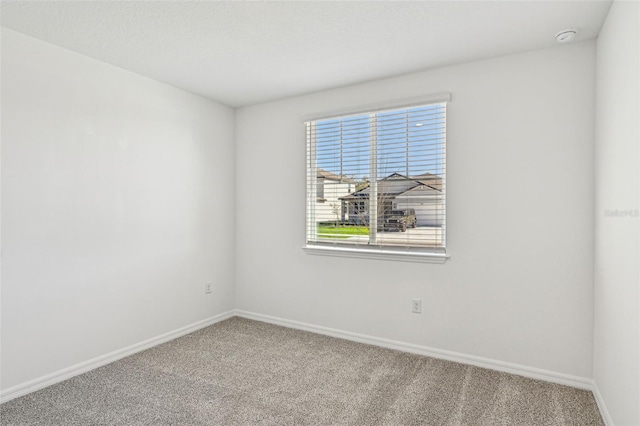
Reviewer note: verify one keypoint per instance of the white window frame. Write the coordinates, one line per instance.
(373, 252)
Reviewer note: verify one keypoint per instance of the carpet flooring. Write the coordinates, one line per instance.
(243, 372)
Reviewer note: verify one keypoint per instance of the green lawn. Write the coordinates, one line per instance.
(341, 231)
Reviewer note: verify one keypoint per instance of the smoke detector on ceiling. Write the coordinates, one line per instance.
(566, 35)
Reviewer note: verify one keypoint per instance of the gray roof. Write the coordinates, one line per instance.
(429, 179)
(422, 190)
(324, 174)
(396, 184)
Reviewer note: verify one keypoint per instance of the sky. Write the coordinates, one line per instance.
(410, 141)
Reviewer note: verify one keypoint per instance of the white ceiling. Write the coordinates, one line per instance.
(242, 53)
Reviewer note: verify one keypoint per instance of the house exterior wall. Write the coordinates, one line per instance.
(332, 192)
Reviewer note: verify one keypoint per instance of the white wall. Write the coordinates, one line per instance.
(519, 284)
(617, 251)
(117, 206)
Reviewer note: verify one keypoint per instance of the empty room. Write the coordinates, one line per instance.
(320, 213)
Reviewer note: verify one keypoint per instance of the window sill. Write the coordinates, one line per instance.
(378, 254)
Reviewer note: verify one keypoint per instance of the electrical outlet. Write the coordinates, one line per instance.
(416, 306)
(207, 288)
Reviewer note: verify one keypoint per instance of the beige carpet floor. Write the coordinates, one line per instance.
(243, 372)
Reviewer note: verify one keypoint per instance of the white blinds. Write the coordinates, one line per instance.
(377, 179)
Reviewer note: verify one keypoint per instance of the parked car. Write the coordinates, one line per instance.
(400, 220)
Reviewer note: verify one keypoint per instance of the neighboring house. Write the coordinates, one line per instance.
(423, 193)
(331, 188)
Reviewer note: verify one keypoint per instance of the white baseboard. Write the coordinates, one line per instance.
(506, 367)
(83, 367)
(606, 417)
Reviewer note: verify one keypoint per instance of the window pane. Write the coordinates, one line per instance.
(410, 147)
(342, 165)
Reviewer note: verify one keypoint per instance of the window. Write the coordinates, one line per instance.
(387, 170)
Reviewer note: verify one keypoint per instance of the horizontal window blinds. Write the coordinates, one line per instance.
(377, 179)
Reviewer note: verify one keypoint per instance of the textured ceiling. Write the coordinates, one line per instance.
(242, 53)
